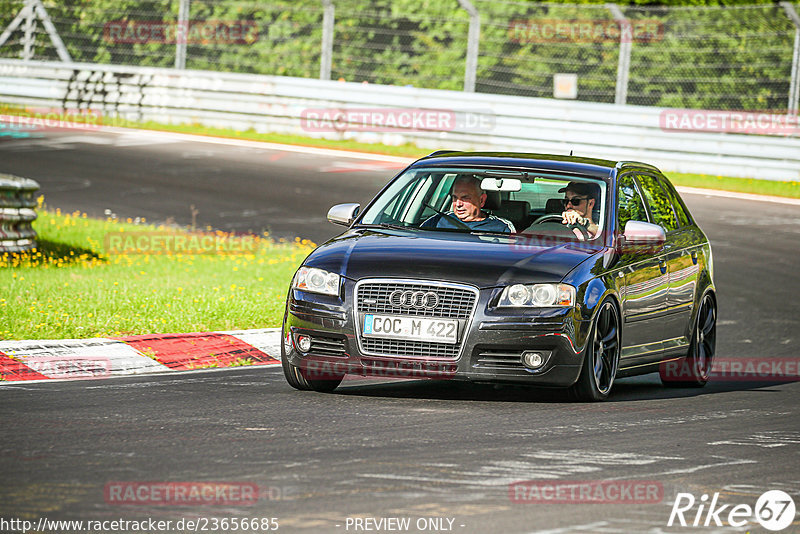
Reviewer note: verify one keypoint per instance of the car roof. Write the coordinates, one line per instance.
(594, 167)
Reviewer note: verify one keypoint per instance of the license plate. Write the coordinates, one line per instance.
(411, 328)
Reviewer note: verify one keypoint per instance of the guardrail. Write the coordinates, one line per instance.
(17, 213)
(481, 121)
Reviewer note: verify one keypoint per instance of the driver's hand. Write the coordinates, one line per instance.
(573, 217)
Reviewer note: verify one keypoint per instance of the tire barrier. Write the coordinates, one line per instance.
(17, 213)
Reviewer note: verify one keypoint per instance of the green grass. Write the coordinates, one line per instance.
(739, 185)
(72, 287)
(723, 183)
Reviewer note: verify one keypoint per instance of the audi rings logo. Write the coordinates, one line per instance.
(421, 300)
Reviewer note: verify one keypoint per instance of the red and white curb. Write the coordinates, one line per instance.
(129, 355)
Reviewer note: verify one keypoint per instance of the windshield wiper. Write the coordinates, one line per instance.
(390, 225)
(495, 232)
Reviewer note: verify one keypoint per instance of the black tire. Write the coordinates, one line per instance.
(693, 371)
(601, 361)
(297, 377)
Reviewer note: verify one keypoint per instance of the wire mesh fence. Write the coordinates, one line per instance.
(400, 43)
(738, 57)
(731, 58)
(524, 44)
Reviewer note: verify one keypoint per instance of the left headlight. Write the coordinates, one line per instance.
(537, 296)
(316, 281)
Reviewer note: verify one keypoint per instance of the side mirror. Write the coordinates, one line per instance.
(343, 214)
(639, 235)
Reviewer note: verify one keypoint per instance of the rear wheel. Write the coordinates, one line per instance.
(298, 377)
(601, 361)
(694, 370)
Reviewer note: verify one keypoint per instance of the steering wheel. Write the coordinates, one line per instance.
(557, 217)
(584, 232)
(548, 217)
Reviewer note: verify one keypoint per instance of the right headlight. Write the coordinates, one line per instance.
(316, 281)
(537, 296)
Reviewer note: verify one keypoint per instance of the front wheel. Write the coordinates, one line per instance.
(601, 360)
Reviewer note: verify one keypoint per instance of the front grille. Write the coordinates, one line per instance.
(401, 347)
(454, 302)
(327, 346)
(499, 359)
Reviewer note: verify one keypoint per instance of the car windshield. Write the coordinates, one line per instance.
(529, 202)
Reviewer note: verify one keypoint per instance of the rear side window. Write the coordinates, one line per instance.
(631, 207)
(677, 205)
(660, 205)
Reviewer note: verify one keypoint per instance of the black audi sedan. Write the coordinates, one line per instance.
(545, 270)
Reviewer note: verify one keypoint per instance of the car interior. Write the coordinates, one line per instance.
(520, 212)
(429, 193)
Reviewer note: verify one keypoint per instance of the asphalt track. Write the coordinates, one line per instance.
(402, 449)
(233, 188)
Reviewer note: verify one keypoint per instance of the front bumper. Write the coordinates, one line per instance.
(491, 351)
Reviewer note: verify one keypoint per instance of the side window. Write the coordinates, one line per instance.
(631, 207)
(677, 205)
(659, 203)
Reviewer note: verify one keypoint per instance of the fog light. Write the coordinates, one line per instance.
(532, 360)
(303, 343)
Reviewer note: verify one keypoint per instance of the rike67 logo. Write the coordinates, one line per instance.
(774, 510)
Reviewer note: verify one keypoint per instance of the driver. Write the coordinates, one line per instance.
(467, 200)
(579, 201)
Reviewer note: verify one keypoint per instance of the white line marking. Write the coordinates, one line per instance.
(691, 469)
(590, 527)
(342, 166)
(766, 440)
(531, 466)
(263, 145)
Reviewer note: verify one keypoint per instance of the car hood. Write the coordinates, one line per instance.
(480, 260)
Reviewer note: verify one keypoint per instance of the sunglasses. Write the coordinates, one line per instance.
(575, 201)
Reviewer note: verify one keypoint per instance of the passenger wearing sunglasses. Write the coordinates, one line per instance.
(579, 200)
